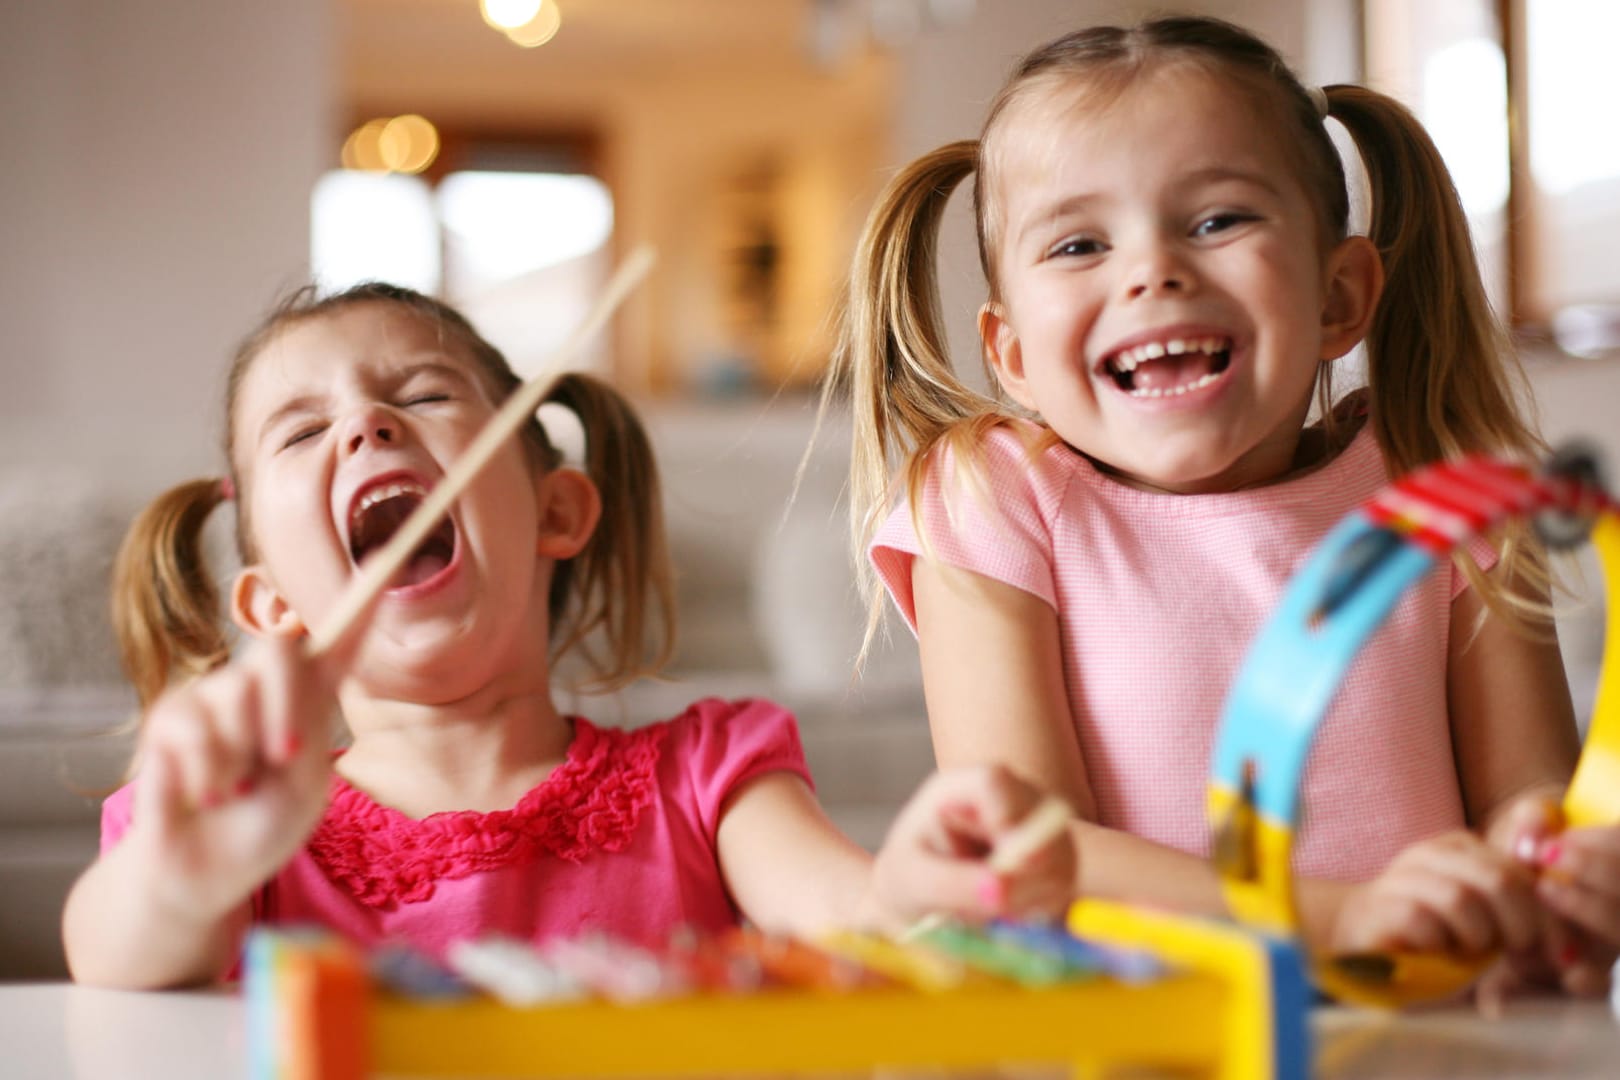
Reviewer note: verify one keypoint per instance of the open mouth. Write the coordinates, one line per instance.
(378, 514)
(1169, 368)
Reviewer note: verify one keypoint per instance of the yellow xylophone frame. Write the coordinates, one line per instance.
(1232, 1005)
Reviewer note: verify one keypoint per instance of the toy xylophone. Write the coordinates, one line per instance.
(1126, 987)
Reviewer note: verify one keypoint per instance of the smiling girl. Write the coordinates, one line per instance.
(1162, 220)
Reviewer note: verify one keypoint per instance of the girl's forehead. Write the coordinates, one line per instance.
(1169, 116)
(361, 342)
(1111, 103)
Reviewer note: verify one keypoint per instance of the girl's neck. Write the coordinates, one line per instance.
(480, 753)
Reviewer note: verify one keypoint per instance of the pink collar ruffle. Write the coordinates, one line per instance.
(591, 802)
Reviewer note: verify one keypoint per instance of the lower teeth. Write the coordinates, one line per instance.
(1196, 384)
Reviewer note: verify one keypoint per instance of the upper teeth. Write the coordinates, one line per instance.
(1127, 359)
(381, 493)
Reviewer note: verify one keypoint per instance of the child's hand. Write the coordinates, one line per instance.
(1578, 882)
(1451, 893)
(937, 857)
(233, 774)
(1580, 885)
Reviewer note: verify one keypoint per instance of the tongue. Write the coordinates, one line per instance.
(424, 565)
(1169, 372)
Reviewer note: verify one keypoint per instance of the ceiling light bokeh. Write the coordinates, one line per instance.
(507, 15)
(538, 30)
(401, 144)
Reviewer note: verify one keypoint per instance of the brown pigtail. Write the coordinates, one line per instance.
(622, 583)
(165, 604)
(1443, 376)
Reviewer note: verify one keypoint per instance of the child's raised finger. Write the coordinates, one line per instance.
(183, 726)
(232, 702)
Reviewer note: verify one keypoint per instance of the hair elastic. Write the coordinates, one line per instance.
(227, 489)
(1319, 100)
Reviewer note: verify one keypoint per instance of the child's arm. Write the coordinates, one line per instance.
(1512, 723)
(790, 869)
(993, 678)
(233, 776)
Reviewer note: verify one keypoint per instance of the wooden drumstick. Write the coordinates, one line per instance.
(1044, 823)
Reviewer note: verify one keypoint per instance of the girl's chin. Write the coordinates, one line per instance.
(1195, 476)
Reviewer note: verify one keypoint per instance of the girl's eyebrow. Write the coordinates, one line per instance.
(430, 367)
(1215, 174)
(1045, 216)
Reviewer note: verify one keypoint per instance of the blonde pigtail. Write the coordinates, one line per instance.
(165, 603)
(1443, 375)
(622, 583)
(892, 358)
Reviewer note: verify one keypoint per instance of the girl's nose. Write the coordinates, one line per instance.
(371, 424)
(1170, 283)
(1157, 272)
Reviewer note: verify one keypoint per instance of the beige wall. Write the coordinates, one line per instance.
(158, 159)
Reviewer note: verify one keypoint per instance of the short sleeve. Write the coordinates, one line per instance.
(998, 526)
(725, 744)
(116, 811)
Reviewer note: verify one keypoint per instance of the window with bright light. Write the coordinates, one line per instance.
(1546, 231)
(522, 254)
(1445, 61)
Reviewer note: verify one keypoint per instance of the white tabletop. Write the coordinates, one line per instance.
(53, 1030)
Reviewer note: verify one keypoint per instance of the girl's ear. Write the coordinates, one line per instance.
(1004, 354)
(1355, 281)
(570, 507)
(258, 607)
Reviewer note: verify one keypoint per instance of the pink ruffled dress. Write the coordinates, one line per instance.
(619, 838)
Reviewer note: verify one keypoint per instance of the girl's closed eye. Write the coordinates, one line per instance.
(303, 434)
(425, 398)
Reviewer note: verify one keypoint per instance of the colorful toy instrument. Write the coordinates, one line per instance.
(1334, 603)
(1190, 997)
